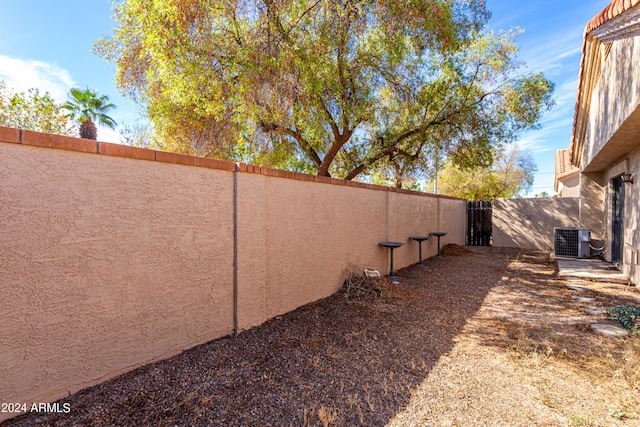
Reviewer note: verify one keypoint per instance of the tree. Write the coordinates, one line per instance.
(140, 134)
(403, 171)
(85, 106)
(511, 175)
(32, 111)
(333, 87)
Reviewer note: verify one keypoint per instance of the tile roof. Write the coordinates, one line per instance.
(614, 9)
(563, 162)
(564, 168)
(614, 22)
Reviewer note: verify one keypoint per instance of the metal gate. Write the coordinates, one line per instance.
(479, 223)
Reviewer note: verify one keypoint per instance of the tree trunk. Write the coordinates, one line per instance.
(88, 130)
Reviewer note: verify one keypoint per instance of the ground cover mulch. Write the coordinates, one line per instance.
(480, 336)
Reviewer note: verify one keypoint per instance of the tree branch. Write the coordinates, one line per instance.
(304, 144)
(391, 149)
(332, 121)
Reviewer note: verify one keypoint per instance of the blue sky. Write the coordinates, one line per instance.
(47, 45)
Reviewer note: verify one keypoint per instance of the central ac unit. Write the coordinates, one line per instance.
(571, 242)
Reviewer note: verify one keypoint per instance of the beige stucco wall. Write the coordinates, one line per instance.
(569, 186)
(109, 262)
(106, 264)
(412, 216)
(529, 223)
(592, 204)
(611, 149)
(631, 221)
(308, 233)
(614, 114)
(450, 212)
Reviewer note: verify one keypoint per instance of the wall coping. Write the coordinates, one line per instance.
(68, 143)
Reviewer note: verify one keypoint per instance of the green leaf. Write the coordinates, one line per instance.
(315, 84)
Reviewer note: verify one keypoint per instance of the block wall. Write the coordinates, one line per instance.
(112, 257)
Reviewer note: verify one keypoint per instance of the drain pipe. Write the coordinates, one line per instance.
(235, 250)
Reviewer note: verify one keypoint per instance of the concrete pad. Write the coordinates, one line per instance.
(590, 269)
(609, 330)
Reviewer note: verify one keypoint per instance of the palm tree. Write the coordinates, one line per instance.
(85, 106)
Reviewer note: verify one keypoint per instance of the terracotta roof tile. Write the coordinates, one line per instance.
(613, 10)
(563, 162)
(564, 168)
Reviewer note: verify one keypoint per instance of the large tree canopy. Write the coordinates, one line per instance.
(333, 87)
(511, 175)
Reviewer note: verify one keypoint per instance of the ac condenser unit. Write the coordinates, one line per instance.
(571, 242)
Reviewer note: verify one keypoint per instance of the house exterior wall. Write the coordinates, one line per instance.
(632, 220)
(112, 257)
(611, 149)
(631, 223)
(529, 223)
(592, 204)
(567, 176)
(613, 119)
(569, 186)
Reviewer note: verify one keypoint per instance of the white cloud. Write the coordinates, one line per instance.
(553, 56)
(108, 135)
(565, 94)
(23, 74)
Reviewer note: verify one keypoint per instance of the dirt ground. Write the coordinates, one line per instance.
(481, 336)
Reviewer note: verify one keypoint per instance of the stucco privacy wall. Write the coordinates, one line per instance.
(529, 223)
(112, 257)
(313, 231)
(412, 216)
(297, 236)
(106, 264)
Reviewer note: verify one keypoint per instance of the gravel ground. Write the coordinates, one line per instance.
(481, 336)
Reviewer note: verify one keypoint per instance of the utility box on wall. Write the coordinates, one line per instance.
(571, 242)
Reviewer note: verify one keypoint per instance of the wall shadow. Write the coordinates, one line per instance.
(533, 311)
(529, 223)
(335, 361)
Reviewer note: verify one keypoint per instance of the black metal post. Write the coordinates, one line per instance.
(391, 268)
(438, 234)
(391, 246)
(420, 239)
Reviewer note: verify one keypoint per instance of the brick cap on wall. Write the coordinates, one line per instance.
(60, 142)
